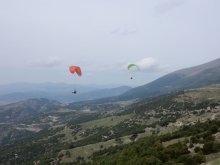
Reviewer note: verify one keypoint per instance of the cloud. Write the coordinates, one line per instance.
(150, 65)
(116, 31)
(49, 62)
(168, 6)
(123, 32)
(147, 63)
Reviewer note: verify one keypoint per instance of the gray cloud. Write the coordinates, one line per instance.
(116, 31)
(168, 6)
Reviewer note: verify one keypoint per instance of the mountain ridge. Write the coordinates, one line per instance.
(26, 108)
(192, 77)
(198, 68)
(63, 95)
(183, 79)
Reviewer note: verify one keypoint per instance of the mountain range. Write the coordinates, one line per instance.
(188, 78)
(60, 91)
(193, 77)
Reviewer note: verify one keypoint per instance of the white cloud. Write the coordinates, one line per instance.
(147, 63)
(150, 65)
(49, 62)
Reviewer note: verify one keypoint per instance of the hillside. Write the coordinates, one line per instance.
(23, 109)
(121, 133)
(189, 78)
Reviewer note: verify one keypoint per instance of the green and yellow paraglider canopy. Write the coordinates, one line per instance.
(131, 65)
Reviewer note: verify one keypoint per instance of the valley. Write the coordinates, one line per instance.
(74, 135)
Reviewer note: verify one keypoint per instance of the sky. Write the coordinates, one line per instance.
(41, 39)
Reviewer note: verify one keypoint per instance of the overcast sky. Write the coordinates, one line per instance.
(40, 39)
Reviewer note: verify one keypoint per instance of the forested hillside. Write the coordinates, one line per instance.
(181, 127)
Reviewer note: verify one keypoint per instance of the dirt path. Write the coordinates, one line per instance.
(213, 116)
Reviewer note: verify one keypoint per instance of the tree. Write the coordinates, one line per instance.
(207, 148)
(216, 147)
(186, 159)
(214, 128)
(199, 158)
(197, 149)
(150, 161)
(194, 139)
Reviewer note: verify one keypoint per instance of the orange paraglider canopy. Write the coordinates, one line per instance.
(76, 69)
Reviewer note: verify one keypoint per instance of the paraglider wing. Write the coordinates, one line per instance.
(72, 69)
(131, 65)
(76, 69)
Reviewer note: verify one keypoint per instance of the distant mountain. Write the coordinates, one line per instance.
(60, 88)
(101, 93)
(193, 77)
(60, 91)
(22, 109)
(104, 86)
(29, 107)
